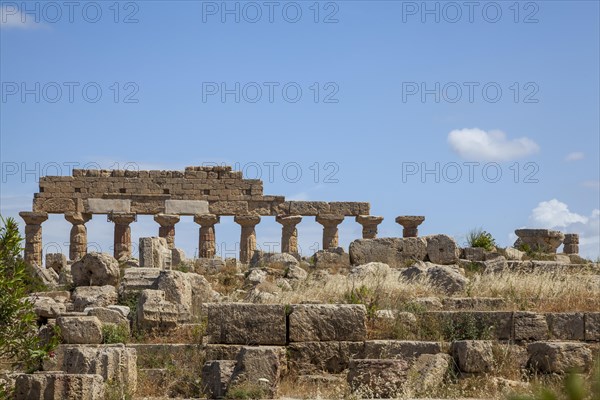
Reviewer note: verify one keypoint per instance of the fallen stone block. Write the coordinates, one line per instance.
(59, 386)
(261, 367)
(80, 329)
(137, 279)
(154, 253)
(46, 307)
(96, 269)
(442, 249)
(94, 296)
(245, 323)
(427, 373)
(395, 252)
(216, 376)
(116, 363)
(110, 317)
(377, 378)
(445, 278)
(331, 259)
(155, 312)
(327, 322)
(56, 261)
(559, 357)
(473, 356)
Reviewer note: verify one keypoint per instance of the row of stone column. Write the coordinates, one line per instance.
(207, 239)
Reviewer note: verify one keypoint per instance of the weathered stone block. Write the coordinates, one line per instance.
(377, 378)
(399, 349)
(260, 366)
(331, 259)
(56, 261)
(46, 307)
(565, 326)
(442, 249)
(592, 326)
(308, 207)
(94, 296)
(327, 322)
(115, 363)
(137, 279)
(444, 277)
(59, 386)
(530, 326)
(315, 357)
(242, 323)
(427, 373)
(95, 269)
(216, 376)
(473, 356)
(155, 312)
(473, 253)
(80, 330)
(559, 357)
(395, 252)
(154, 253)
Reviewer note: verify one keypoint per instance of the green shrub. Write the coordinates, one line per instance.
(480, 238)
(19, 340)
(115, 333)
(246, 391)
(367, 297)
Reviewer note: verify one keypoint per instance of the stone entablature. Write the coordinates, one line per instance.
(197, 190)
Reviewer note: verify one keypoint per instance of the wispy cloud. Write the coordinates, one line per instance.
(575, 156)
(475, 144)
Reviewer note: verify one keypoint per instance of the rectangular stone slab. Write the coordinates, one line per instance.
(327, 322)
(105, 206)
(186, 207)
(244, 323)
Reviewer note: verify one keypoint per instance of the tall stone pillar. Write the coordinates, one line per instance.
(33, 236)
(122, 243)
(410, 224)
(248, 236)
(330, 229)
(207, 241)
(289, 233)
(78, 237)
(167, 227)
(571, 243)
(369, 225)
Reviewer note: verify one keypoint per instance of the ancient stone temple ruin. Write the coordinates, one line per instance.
(412, 316)
(207, 193)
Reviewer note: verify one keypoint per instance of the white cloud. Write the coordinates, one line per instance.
(575, 156)
(12, 17)
(478, 145)
(554, 214)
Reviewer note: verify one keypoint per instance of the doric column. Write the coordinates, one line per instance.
(289, 233)
(33, 236)
(369, 224)
(122, 248)
(571, 243)
(330, 229)
(167, 227)
(410, 224)
(78, 237)
(248, 236)
(207, 242)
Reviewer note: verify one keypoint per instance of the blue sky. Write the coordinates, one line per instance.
(388, 89)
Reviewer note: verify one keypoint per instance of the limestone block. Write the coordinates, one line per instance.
(428, 372)
(327, 322)
(592, 326)
(59, 386)
(315, 357)
(115, 363)
(331, 259)
(378, 379)
(399, 349)
(216, 376)
(559, 357)
(95, 269)
(80, 329)
(473, 356)
(154, 253)
(309, 207)
(243, 323)
(394, 252)
(106, 206)
(109, 316)
(186, 207)
(446, 278)
(260, 366)
(566, 326)
(137, 279)
(530, 326)
(56, 261)
(47, 307)
(155, 312)
(442, 249)
(94, 296)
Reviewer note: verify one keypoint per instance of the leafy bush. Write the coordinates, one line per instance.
(366, 296)
(19, 340)
(115, 333)
(480, 238)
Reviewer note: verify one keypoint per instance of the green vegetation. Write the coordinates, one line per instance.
(246, 391)
(115, 333)
(19, 340)
(366, 296)
(480, 238)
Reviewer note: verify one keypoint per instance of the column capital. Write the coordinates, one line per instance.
(122, 218)
(329, 220)
(410, 221)
(167, 219)
(288, 220)
(247, 220)
(368, 219)
(206, 219)
(33, 217)
(77, 218)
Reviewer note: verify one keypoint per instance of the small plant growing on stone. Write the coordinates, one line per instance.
(115, 333)
(246, 391)
(479, 238)
(367, 297)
